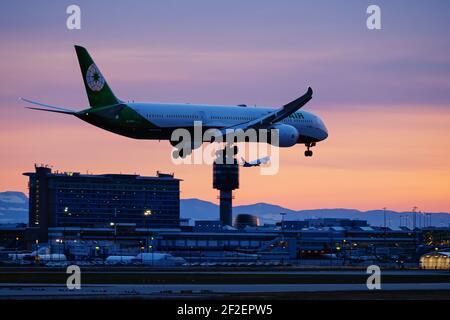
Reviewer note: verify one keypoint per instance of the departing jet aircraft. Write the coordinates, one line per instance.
(254, 163)
(157, 121)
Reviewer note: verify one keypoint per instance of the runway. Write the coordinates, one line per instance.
(44, 283)
(43, 291)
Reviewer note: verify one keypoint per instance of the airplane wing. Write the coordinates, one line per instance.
(271, 117)
(52, 108)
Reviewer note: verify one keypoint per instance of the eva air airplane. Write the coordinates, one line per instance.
(157, 121)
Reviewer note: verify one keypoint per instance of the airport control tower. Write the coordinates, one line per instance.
(226, 179)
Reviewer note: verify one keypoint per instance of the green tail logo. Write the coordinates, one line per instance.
(98, 91)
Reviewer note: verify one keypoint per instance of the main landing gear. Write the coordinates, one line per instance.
(309, 153)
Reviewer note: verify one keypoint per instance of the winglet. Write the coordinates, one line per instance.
(300, 102)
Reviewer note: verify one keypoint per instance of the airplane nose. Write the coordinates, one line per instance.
(323, 131)
(325, 134)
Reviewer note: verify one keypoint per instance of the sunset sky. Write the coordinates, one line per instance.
(384, 95)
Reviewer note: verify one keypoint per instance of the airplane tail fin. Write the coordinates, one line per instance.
(98, 91)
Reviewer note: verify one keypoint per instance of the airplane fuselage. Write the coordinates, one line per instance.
(157, 121)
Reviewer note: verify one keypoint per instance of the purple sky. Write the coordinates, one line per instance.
(246, 45)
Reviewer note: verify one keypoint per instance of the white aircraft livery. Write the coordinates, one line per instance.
(157, 121)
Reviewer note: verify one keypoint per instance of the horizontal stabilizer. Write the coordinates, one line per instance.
(49, 110)
(52, 108)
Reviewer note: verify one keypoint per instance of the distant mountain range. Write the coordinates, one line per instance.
(14, 209)
(268, 213)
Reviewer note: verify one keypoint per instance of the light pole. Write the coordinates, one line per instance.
(114, 223)
(36, 258)
(420, 224)
(385, 226)
(282, 214)
(414, 210)
(151, 247)
(148, 213)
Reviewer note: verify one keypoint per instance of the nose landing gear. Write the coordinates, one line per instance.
(309, 153)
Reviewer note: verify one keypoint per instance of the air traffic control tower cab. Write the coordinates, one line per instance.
(226, 179)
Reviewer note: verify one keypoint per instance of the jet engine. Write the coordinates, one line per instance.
(288, 135)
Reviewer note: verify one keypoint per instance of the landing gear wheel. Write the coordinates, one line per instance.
(309, 153)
